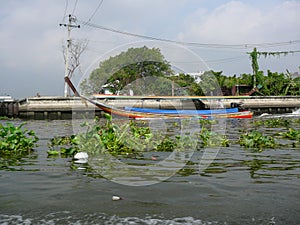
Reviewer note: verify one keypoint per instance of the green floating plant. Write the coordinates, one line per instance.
(15, 139)
(291, 134)
(273, 122)
(212, 139)
(256, 139)
(67, 145)
(130, 139)
(207, 122)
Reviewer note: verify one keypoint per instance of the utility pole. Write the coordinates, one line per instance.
(71, 24)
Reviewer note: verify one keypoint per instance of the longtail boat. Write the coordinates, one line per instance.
(147, 113)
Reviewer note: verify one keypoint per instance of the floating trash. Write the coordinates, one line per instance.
(81, 157)
(116, 198)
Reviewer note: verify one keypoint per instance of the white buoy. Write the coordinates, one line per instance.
(81, 157)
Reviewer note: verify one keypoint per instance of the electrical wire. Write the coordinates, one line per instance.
(65, 12)
(225, 60)
(93, 14)
(193, 44)
(75, 5)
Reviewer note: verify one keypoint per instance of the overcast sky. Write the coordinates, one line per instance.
(31, 39)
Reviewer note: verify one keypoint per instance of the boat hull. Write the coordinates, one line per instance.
(183, 112)
(160, 115)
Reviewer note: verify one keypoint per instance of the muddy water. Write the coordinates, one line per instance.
(241, 186)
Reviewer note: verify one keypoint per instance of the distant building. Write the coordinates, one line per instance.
(195, 75)
(105, 90)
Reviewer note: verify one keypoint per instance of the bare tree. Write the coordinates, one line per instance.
(72, 53)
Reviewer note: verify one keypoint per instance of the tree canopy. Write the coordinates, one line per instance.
(133, 65)
(145, 71)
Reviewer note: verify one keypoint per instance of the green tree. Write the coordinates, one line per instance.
(211, 82)
(296, 88)
(273, 84)
(130, 67)
(187, 84)
(254, 64)
(245, 78)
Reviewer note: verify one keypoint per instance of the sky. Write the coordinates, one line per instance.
(31, 58)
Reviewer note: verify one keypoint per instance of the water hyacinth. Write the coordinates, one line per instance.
(134, 138)
(15, 139)
(255, 139)
(273, 122)
(212, 139)
(291, 134)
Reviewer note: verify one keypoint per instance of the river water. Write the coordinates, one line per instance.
(241, 186)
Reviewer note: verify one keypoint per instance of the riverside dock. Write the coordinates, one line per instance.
(55, 107)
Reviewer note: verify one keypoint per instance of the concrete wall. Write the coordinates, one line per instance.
(73, 107)
(56, 108)
(9, 109)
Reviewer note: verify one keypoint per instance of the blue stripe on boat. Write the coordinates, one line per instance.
(183, 112)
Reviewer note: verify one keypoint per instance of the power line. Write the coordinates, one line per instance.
(75, 5)
(99, 5)
(225, 60)
(194, 44)
(65, 12)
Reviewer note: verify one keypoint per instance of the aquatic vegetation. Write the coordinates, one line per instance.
(256, 139)
(207, 122)
(15, 139)
(209, 138)
(133, 138)
(291, 134)
(130, 139)
(67, 146)
(185, 142)
(53, 152)
(6, 118)
(212, 139)
(66, 140)
(167, 145)
(296, 120)
(273, 122)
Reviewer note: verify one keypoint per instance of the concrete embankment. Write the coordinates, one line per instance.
(73, 107)
(273, 104)
(54, 107)
(9, 108)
